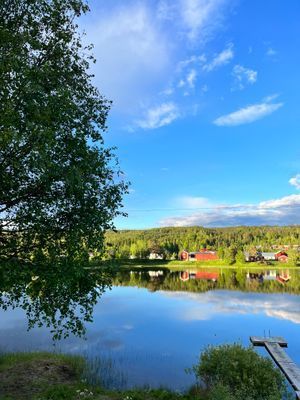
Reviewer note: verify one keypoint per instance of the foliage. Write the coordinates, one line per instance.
(229, 242)
(240, 373)
(60, 187)
(59, 377)
(59, 296)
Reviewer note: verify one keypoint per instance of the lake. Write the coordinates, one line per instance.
(153, 323)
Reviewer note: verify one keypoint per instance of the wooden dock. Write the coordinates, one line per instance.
(274, 346)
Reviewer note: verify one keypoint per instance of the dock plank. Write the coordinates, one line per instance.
(260, 340)
(274, 346)
(287, 366)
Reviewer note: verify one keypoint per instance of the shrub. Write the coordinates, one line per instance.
(236, 373)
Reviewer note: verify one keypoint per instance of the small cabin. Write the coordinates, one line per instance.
(281, 256)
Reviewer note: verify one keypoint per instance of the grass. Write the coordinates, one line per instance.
(47, 376)
(27, 375)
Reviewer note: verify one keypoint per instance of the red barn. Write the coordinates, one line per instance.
(202, 255)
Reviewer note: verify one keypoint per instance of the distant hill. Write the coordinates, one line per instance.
(171, 240)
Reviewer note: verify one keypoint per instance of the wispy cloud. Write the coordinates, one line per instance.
(202, 17)
(188, 83)
(243, 76)
(295, 181)
(271, 52)
(137, 46)
(248, 114)
(159, 116)
(220, 59)
(191, 78)
(280, 211)
(191, 202)
(126, 41)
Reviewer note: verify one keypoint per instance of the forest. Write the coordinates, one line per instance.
(228, 242)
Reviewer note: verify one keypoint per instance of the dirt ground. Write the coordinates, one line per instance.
(24, 380)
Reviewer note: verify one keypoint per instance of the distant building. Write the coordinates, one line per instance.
(202, 255)
(281, 256)
(156, 256)
(251, 257)
(268, 256)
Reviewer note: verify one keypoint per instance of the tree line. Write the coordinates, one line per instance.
(228, 242)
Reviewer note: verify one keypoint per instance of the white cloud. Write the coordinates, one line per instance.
(194, 59)
(159, 116)
(271, 52)
(189, 82)
(133, 54)
(191, 202)
(220, 59)
(282, 211)
(201, 17)
(243, 76)
(295, 181)
(191, 78)
(168, 91)
(287, 201)
(138, 44)
(270, 98)
(248, 114)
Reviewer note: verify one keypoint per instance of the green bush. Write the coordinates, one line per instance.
(232, 372)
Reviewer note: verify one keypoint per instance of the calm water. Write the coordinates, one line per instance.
(152, 325)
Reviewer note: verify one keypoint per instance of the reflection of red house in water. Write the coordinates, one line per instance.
(210, 276)
(201, 255)
(184, 276)
(201, 275)
(283, 277)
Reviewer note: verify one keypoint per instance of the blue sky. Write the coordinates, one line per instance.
(205, 115)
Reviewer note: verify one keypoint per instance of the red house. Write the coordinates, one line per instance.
(282, 256)
(202, 255)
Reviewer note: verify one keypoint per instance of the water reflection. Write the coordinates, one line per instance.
(201, 280)
(60, 297)
(152, 324)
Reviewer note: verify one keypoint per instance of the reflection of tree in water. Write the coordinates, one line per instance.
(203, 280)
(60, 297)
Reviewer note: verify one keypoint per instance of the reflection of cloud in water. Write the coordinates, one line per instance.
(205, 306)
(112, 344)
(292, 316)
(128, 327)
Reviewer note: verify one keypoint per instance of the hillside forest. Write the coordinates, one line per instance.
(230, 243)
